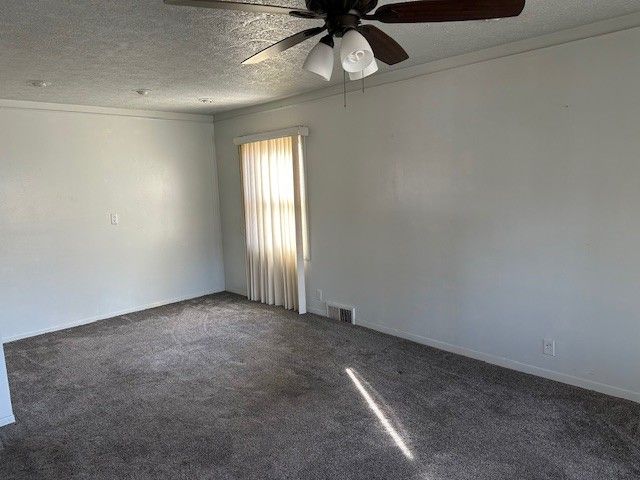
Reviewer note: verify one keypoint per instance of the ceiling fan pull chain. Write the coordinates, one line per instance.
(362, 84)
(344, 87)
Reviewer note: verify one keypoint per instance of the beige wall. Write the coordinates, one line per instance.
(62, 173)
(479, 209)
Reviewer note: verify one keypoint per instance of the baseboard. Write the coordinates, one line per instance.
(7, 420)
(104, 316)
(508, 363)
(496, 360)
(317, 310)
(467, 352)
(237, 291)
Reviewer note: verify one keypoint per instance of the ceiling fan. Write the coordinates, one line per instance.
(361, 43)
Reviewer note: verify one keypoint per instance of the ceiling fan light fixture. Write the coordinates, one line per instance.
(370, 70)
(320, 58)
(343, 19)
(355, 52)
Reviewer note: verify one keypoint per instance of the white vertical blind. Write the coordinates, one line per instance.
(273, 221)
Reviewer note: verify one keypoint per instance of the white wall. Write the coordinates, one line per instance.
(6, 412)
(62, 173)
(479, 209)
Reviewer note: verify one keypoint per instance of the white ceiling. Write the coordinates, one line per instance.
(97, 52)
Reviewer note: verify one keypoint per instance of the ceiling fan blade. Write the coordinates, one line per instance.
(446, 10)
(245, 7)
(385, 48)
(283, 45)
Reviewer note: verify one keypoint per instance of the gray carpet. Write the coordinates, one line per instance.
(222, 388)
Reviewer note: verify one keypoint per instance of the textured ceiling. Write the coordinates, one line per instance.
(97, 52)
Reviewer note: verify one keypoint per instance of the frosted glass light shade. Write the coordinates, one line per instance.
(355, 52)
(372, 68)
(320, 60)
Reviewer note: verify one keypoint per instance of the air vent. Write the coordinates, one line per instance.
(343, 313)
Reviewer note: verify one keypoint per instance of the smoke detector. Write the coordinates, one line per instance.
(38, 83)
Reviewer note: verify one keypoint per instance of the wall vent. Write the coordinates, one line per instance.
(343, 313)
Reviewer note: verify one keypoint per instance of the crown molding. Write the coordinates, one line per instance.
(122, 112)
(514, 48)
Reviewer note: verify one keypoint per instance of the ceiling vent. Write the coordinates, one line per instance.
(343, 313)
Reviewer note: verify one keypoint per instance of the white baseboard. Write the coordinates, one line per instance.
(7, 420)
(237, 291)
(317, 310)
(496, 360)
(467, 352)
(508, 363)
(104, 316)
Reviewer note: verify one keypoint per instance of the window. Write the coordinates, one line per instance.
(273, 187)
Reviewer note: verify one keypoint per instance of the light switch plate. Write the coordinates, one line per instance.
(549, 347)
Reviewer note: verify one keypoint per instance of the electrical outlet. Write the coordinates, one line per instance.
(549, 347)
(115, 218)
(319, 294)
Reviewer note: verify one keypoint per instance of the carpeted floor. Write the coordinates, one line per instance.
(222, 388)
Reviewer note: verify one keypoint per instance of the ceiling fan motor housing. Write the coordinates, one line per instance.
(339, 24)
(337, 7)
(341, 15)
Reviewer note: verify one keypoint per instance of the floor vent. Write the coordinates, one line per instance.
(344, 313)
